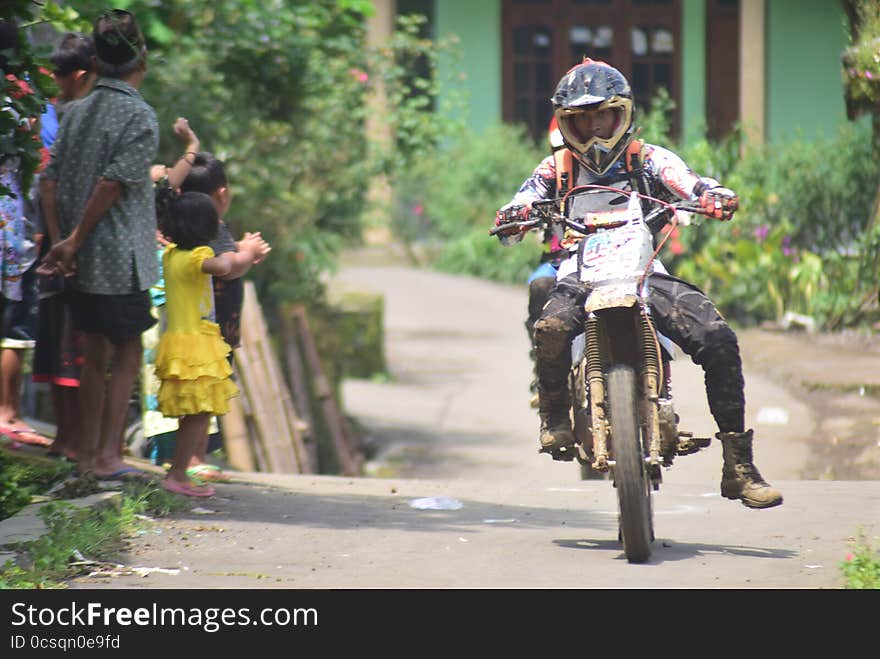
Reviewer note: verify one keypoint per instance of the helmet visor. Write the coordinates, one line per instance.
(598, 144)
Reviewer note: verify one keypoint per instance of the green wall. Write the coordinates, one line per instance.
(477, 24)
(804, 93)
(693, 69)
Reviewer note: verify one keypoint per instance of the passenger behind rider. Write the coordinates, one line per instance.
(542, 279)
(593, 105)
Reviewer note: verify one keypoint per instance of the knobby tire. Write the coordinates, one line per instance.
(630, 472)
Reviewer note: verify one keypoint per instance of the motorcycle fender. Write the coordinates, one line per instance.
(614, 295)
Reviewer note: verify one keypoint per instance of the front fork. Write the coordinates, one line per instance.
(596, 384)
(652, 375)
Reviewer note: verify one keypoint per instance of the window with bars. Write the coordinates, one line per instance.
(542, 39)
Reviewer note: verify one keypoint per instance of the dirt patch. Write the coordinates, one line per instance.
(838, 376)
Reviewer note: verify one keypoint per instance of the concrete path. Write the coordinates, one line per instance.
(461, 498)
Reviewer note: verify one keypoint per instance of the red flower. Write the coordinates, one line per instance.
(23, 88)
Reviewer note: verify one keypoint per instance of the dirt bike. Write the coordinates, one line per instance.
(623, 417)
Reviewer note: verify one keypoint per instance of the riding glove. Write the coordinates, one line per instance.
(720, 203)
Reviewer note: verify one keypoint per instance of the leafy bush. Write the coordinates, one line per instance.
(451, 194)
(801, 240)
(861, 568)
(482, 255)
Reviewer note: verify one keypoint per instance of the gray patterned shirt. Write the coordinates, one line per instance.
(111, 133)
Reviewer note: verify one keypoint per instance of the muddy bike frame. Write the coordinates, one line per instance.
(624, 419)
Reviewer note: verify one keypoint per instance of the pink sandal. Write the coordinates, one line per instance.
(25, 436)
(187, 489)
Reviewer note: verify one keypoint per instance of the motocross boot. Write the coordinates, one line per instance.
(553, 408)
(740, 478)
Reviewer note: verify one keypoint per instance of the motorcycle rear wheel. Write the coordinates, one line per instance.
(630, 472)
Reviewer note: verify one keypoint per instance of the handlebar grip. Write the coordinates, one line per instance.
(503, 227)
(523, 226)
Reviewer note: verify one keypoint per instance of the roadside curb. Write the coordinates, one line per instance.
(27, 525)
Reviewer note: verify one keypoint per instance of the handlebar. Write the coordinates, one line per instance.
(546, 211)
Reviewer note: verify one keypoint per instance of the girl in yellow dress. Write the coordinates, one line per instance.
(191, 359)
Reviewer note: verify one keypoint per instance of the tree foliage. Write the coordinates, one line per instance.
(277, 89)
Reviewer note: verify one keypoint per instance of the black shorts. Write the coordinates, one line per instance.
(58, 355)
(19, 319)
(117, 317)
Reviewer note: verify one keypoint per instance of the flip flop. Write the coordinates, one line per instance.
(125, 473)
(208, 472)
(187, 490)
(19, 435)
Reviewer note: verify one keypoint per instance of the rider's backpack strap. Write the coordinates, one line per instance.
(634, 161)
(564, 163)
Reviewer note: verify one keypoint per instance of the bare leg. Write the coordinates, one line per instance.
(10, 384)
(124, 371)
(92, 391)
(64, 404)
(192, 429)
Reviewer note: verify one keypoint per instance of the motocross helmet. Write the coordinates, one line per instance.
(594, 85)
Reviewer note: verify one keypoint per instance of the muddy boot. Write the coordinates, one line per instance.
(555, 419)
(740, 478)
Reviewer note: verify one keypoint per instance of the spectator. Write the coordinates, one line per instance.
(97, 188)
(58, 350)
(208, 175)
(18, 329)
(159, 430)
(191, 357)
(12, 199)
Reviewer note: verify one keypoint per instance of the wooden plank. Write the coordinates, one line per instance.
(282, 403)
(254, 443)
(250, 387)
(253, 376)
(236, 441)
(324, 392)
(273, 418)
(298, 383)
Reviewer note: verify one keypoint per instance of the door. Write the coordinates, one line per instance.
(542, 39)
(722, 66)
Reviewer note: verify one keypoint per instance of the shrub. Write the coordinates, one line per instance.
(861, 568)
(451, 196)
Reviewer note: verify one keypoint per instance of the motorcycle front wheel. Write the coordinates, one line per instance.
(630, 473)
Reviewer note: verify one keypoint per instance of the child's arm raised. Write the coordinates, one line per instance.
(251, 250)
(219, 266)
(183, 166)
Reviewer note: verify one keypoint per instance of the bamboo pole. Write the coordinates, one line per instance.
(235, 436)
(324, 392)
(296, 372)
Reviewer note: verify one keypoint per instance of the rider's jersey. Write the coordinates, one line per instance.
(667, 176)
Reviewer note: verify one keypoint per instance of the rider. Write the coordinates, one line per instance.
(593, 105)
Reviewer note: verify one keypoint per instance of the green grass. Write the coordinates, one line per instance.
(96, 533)
(861, 567)
(23, 476)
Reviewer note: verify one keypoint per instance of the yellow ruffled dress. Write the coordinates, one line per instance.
(191, 359)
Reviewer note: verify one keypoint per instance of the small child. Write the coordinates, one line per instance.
(191, 359)
(208, 175)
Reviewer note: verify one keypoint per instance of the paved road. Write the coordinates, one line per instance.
(453, 429)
